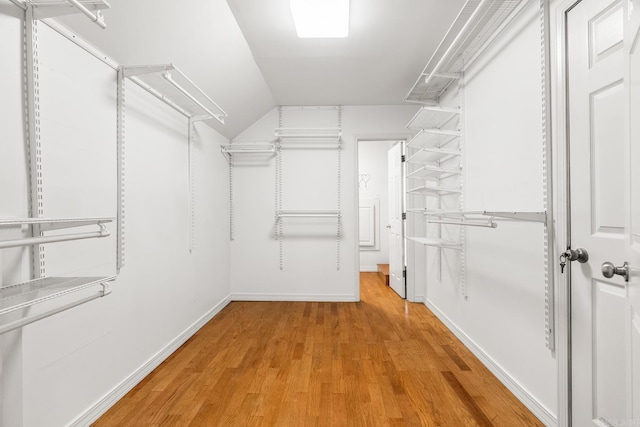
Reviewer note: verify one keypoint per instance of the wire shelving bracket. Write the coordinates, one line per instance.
(173, 87)
(92, 9)
(478, 22)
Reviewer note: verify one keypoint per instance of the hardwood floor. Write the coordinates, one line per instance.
(380, 362)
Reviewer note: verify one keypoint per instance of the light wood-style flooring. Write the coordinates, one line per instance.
(380, 362)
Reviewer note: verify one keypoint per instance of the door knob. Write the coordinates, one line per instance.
(389, 226)
(609, 270)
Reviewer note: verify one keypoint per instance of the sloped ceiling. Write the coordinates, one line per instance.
(389, 43)
(200, 37)
(245, 54)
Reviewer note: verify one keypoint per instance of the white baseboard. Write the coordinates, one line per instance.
(368, 269)
(520, 392)
(125, 386)
(296, 297)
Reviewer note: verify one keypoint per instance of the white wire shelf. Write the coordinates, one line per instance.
(476, 24)
(433, 191)
(173, 87)
(316, 138)
(433, 116)
(438, 243)
(433, 137)
(27, 294)
(242, 148)
(432, 154)
(433, 172)
(42, 9)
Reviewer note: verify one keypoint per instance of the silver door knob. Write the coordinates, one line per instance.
(609, 270)
(388, 226)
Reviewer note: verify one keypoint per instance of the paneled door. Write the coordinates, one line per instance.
(396, 243)
(604, 323)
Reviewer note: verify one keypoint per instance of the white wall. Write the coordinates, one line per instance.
(309, 261)
(503, 316)
(373, 161)
(71, 366)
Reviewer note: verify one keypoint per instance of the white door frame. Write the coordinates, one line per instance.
(561, 201)
(356, 204)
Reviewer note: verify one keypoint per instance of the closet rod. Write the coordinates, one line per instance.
(218, 117)
(95, 17)
(22, 322)
(470, 224)
(160, 96)
(461, 34)
(52, 239)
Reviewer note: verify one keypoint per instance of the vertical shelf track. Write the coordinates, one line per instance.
(34, 149)
(120, 249)
(545, 68)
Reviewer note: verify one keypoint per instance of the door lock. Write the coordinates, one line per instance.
(581, 255)
(609, 270)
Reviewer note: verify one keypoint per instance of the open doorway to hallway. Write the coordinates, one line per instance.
(380, 211)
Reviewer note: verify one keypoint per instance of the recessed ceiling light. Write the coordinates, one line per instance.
(321, 18)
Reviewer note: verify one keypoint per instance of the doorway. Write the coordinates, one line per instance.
(381, 201)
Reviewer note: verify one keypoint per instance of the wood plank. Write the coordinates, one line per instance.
(382, 361)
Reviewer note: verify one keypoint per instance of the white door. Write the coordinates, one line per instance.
(632, 236)
(396, 252)
(601, 342)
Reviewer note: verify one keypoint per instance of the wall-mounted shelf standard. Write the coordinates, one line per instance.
(92, 9)
(27, 294)
(476, 24)
(171, 86)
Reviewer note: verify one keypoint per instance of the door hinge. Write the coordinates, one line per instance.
(403, 158)
(404, 215)
(404, 273)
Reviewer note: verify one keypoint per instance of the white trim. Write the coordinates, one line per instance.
(368, 268)
(558, 107)
(100, 407)
(295, 297)
(538, 409)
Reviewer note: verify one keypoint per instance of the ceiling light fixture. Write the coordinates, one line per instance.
(321, 18)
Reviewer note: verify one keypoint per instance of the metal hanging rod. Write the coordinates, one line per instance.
(487, 224)
(23, 295)
(54, 239)
(47, 224)
(135, 73)
(503, 215)
(308, 214)
(248, 148)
